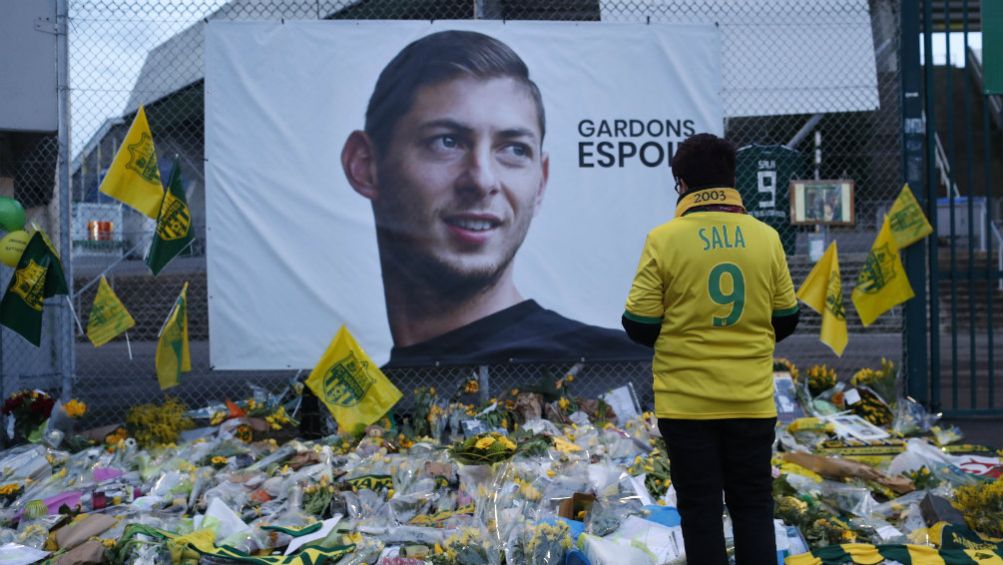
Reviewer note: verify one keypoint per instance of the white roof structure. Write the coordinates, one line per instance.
(779, 56)
(177, 62)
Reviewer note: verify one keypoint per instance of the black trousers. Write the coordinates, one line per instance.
(707, 457)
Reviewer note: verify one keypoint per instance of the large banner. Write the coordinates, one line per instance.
(452, 192)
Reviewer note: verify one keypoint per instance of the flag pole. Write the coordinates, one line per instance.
(74, 313)
(108, 269)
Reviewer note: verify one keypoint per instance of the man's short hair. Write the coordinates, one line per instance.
(436, 58)
(705, 160)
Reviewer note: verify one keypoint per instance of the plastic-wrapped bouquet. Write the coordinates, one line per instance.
(546, 543)
(655, 468)
(820, 379)
(466, 547)
(982, 506)
(483, 449)
(30, 409)
(154, 425)
(882, 381)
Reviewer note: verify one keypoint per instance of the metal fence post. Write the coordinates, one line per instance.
(484, 380)
(65, 195)
(916, 362)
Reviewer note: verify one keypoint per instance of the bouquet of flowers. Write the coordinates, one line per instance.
(924, 479)
(426, 414)
(820, 379)
(317, 497)
(9, 493)
(154, 425)
(655, 467)
(784, 364)
(829, 531)
(483, 449)
(466, 547)
(882, 381)
(75, 409)
(546, 543)
(870, 407)
(982, 506)
(30, 409)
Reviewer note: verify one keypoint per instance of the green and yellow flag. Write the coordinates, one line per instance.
(354, 389)
(823, 292)
(907, 220)
(134, 177)
(173, 356)
(174, 224)
(38, 275)
(953, 544)
(882, 282)
(189, 547)
(108, 317)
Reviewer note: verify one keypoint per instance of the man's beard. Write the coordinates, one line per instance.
(431, 277)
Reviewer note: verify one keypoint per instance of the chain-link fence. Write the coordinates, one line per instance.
(126, 53)
(28, 168)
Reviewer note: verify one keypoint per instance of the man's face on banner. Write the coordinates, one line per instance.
(462, 178)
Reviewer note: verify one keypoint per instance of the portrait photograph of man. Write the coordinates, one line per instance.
(452, 158)
(454, 193)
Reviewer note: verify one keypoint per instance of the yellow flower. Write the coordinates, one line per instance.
(472, 387)
(569, 378)
(507, 443)
(10, 489)
(484, 442)
(218, 461)
(514, 392)
(75, 408)
(564, 403)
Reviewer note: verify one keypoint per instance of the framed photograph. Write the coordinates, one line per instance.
(822, 202)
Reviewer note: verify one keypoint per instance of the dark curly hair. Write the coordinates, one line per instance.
(705, 160)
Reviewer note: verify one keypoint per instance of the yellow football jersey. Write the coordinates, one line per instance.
(713, 280)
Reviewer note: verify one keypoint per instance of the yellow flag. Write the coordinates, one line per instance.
(907, 220)
(882, 282)
(823, 292)
(354, 389)
(108, 317)
(134, 177)
(173, 355)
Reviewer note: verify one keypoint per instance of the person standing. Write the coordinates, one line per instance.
(712, 295)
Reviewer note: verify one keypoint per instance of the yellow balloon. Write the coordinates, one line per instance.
(11, 247)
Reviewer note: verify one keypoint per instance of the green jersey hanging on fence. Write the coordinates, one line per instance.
(762, 176)
(39, 275)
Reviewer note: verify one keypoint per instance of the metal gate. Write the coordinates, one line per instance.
(953, 148)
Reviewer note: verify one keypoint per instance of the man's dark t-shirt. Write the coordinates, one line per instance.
(526, 332)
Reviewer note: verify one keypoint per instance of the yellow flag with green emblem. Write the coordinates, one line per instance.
(823, 292)
(907, 221)
(352, 387)
(134, 177)
(882, 282)
(108, 317)
(173, 356)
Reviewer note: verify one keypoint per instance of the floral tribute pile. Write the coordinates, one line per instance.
(537, 475)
